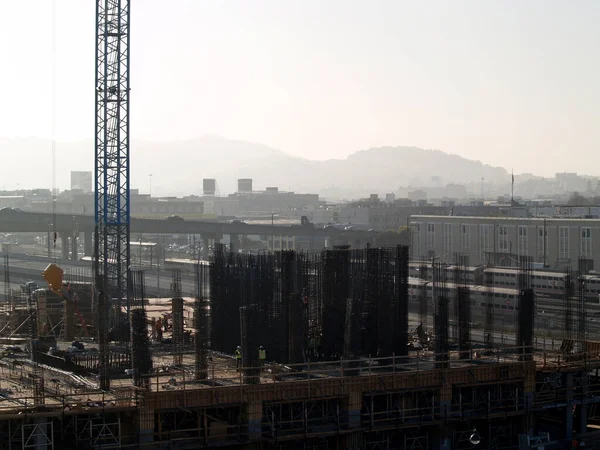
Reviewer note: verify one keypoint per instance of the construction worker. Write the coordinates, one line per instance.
(238, 357)
(159, 332)
(262, 356)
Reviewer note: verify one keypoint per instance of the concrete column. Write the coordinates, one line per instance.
(445, 413)
(88, 245)
(50, 242)
(64, 240)
(205, 243)
(352, 405)
(234, 242)
(583, 412)
(254, 419)
(146, 424)
(74, 244)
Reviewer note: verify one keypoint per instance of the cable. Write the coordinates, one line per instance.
(54, 129)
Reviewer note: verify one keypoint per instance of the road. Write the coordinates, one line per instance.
(27, 267)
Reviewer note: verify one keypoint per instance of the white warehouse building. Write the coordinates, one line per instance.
(554, 242)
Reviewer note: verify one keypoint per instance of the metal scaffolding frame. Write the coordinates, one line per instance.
(286, 420)
(36, 436)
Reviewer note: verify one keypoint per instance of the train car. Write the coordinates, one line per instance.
(545, 283)
(470, 274)
(502, 298)
(504, 301)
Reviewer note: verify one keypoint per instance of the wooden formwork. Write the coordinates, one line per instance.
(341, 386)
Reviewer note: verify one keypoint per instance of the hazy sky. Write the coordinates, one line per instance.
(512, 83)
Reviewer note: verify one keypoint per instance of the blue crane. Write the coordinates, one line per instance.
(112, 211)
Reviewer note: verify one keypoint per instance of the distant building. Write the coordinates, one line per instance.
(556, 242)
(209, 186)
(81, 181)
(273, 200)
(244, 185)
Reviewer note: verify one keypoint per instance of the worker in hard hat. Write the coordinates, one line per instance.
(238, 357)
(262, 356)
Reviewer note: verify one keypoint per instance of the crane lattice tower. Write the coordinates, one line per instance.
(112, 212)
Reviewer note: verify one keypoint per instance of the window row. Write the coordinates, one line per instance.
(488, 241)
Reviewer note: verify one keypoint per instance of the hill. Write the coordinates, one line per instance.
(179, 166)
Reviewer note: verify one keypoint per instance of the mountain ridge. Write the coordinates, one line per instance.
(178, 167)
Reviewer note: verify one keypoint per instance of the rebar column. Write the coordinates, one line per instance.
(464, 321)
(177, 309)
(401, 301)
(525, 320)
(581, 307)
(177, 317)
(423, 307)
(568, 308)
(463, 307)
(488, 323)
(103, 349)
(37, 375)
(141, 358)
(8, 300)
(201, 366)
(250, 344)
(441, 316)
(200, 323)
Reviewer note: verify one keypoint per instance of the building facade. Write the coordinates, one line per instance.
(554, 242)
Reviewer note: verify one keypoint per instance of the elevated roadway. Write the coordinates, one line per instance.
(12, 221)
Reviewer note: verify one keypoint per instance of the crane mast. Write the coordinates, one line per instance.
(112, 212)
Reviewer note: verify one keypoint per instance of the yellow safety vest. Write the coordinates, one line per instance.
(238, 354)
(262, 354)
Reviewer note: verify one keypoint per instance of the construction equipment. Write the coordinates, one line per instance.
(112, 212)
(54, 277)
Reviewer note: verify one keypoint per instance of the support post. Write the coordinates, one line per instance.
(74, 244)
(234, 242)
(352, 405)
(64, 240)
(569, 408)
(254, 419)
(146, 425)
(88, 247)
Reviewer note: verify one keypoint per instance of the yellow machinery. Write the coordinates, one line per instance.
(54, 277)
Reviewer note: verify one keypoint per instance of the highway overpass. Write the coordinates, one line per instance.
(70, 226)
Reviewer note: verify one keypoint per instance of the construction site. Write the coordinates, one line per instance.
(336, 349)
(292, 350)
